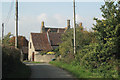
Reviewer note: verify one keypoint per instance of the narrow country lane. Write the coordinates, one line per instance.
(45, 70)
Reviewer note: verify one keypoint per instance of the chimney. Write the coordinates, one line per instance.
(42, 27)
(80, 25)
(58, 30)
(68, 24)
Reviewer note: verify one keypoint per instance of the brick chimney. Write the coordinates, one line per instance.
(68, 24)
(80, 25)
(42, 27)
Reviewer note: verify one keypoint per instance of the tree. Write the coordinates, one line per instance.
(82, 38)
(6, 39)
(108, 29)
(104, 54)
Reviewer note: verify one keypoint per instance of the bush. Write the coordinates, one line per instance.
(12, 67)
(97, 57)
(10, 57)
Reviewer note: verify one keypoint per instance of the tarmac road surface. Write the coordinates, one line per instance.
(45, 70)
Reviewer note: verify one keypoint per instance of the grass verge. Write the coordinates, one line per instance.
(76, 71)
(80, 72)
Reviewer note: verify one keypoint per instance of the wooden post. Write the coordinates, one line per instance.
(2, 32)
(74, 26)
(16, 30)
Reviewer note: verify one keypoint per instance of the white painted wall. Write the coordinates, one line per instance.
(30, 50)
(38, 57)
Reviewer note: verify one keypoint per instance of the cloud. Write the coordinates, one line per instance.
(86, 20)
(79, 18)
(55, 20)
(28, 24)
(42, 17)
(59, 18)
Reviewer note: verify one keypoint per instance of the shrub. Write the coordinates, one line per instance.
(12, 67)
(10, 57)
(98, 58)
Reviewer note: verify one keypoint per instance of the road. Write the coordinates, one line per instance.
(45, 70)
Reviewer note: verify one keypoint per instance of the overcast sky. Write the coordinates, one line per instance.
(54, 14)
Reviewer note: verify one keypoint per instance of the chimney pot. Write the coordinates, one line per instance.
(42, 27)
(42, 24)
(80, 25)
(68, 24)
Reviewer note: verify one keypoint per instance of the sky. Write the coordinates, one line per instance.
(54, 14)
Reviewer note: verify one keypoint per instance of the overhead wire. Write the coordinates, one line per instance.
(9, 13)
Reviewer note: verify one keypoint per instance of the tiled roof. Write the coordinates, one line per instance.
(51, 29)
(61, 30)
(25, 50)
(55, 38)
(40, 41)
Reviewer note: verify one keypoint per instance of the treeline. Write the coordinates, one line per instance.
(99, 50)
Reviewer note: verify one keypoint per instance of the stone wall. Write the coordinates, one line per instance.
(43, 58)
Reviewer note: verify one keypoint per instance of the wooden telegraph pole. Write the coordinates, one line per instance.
(74, 26)
(2, 32)
(16, 26)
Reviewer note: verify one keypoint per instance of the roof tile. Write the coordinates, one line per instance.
(40, 41)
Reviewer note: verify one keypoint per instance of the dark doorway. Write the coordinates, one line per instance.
(33, 56)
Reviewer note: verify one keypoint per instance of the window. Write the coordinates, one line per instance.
(30, 45)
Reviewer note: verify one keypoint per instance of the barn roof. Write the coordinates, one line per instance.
(45, 41)
(25, 50)
(61, 30)
(55, 38)
(40, 41)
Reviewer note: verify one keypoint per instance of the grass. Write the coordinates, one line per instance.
(35, 62)
(76, 71)
(79, 72)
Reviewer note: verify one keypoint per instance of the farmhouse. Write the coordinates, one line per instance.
(46, 41)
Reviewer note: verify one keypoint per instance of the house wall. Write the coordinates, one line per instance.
(43, 58)
(37, 56)
(30, 50)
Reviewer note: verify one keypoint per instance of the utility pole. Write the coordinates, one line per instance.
(2, 32)
(16, 26)
(74, 26)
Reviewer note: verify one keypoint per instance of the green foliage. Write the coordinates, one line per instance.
(97, 57)
(7, 39)
(82, 38)
(77, 71)
(103, 55)
(57, 52)
(108, 29)
(12, 67)
(43, 52)
(97, 51)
